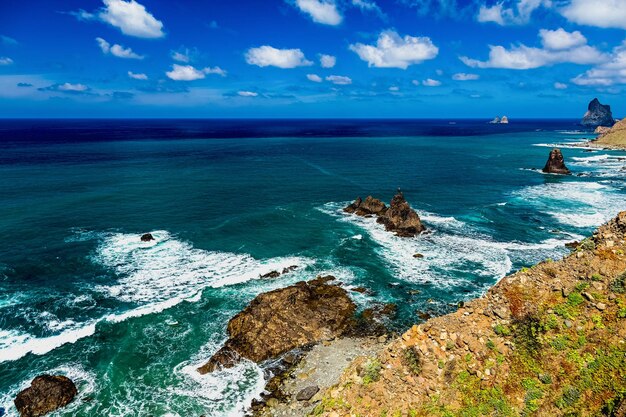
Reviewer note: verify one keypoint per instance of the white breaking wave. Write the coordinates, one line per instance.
(153, 276)
(568, 145)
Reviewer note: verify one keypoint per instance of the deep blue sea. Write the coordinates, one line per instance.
(230, 200)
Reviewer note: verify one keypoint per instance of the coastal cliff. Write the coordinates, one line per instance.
(545, 341)
(614, 137)
(598, 115)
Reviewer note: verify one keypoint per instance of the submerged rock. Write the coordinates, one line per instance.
(147, 237)
(45, 394)
(401, 218)
(556, 163)
(598, 115)
(278, 321)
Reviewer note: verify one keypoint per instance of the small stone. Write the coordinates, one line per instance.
(418, 256)
(147, 237)
(307, 393)
(588, 296)
(568, 324)
(601, 306)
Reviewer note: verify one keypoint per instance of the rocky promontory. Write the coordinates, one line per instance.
(284, 319)
(614, 137)
(398, 218)
(556, 163)
(598, 115)
(546, 341)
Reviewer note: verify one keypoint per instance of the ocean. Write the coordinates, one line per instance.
(230, 200)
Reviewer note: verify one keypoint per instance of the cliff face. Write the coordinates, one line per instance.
(614, 137)
(545, 341)
(598, 115)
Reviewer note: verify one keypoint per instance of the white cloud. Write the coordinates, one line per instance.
(5, 60)
(190, 73)
(247, 94)
(131, 18)
(117, 50)
(327, 61)
(321, 11)
(462, 76)
(608, 73)
(369, 6)
(561, 39)
(560, 86)
(137, 76)
(314, 77)
(69, 87)
(339, 79)
(266, 55)
(555, 51)
(394, 88)
(518, 13)
(429, 82)
(599, 13)
(181, 56)
(393, 51)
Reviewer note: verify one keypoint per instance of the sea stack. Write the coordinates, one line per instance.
(45, 394)
(556, 163)
(598, 115)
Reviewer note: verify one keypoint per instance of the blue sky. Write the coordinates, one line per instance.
(311, 58)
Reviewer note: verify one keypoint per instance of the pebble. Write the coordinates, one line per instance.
(601, 306)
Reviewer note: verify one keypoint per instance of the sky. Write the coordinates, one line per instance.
(311, 58)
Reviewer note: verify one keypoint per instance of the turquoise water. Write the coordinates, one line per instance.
(130, 321)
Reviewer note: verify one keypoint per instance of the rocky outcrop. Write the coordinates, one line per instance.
(284, 319)
(45, 394)
(614, 137)
(598, 115)
(147, 237)
(556, 163)
(546, 341)
(370, 207)
(399, 217)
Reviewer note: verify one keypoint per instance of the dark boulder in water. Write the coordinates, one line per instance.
(598, 115)
(45, 394)
(147, 237)
(556, 163)
(278, 321)
(399, 217)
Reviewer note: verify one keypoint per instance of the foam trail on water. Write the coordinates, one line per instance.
(153, 276)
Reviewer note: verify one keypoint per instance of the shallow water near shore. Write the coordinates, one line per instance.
(130, 321)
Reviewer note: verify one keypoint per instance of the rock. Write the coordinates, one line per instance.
(602, 130)
(418, 256)
(45, 394)
(147, 237)
(270, 275)
(598, 115)
(361, 290)
(601, 306)
(290, 269)
(371, 206)
(556, 164)
(307, 393)
(401, 218)
(281, 320)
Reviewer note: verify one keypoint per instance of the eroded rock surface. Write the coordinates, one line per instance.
(45, 394)
(284, 319)
(556, 163)
(598, 115)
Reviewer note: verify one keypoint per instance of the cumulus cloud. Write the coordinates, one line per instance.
(462, 76)
(393, 51)
(429, 82)
(5, 60)
(117, 50)
(608, 73)
(561, 39)
(130, 17)
(559, 47)
(265, 56)
(321, 11)
(327, 61)
(139, 76)
(368, 6)
(247, 94)
(190, 73)
(560, 86)
(599, 13)
(339, 79)
(314, 77)
(510, 12)
(68, 88)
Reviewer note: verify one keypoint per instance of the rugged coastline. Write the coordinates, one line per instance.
(546, 341)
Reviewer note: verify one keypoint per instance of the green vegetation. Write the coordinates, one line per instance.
(502, 330)
(411, 359)
(618, 285)
(371, 371)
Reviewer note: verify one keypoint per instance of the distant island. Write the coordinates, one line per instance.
(500, 121)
